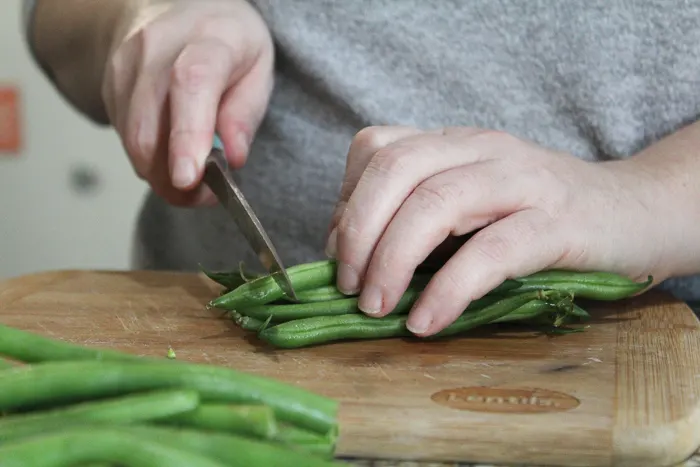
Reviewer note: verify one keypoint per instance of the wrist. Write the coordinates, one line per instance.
(666, 198)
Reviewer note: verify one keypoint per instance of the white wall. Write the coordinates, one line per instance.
(44, 223)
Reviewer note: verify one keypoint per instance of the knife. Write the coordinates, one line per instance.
(218, 177)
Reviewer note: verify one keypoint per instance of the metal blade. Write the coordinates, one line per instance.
(219, 179)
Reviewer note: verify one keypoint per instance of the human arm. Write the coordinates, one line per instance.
(71, 41)
(672, 167)
(406, 191)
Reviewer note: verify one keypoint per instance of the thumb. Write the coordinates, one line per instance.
(242, 109)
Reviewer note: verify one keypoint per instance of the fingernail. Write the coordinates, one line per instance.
(348, 279)
(370, 301)
(332, 243)
(418, 324)
(184, 173)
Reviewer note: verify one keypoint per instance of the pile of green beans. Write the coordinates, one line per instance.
(322, 314)
(67, 404)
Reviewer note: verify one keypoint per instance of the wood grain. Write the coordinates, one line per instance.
(625, 392)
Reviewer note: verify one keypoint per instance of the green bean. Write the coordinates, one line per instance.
(68, 381)
(506, 286)
(282, 313)
(5, 364)
(75, 446)
(119, 410)
(330, 292)
(306, 440)
(33, 348)
(251, 420)
(232, 450)
(495, 311)
(591, 285)
(579, 312)
(265, 290)
(320, 294)
(250, 323)
(529, 310)
(321, 329)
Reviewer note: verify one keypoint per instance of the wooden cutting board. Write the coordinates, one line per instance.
(625, 392)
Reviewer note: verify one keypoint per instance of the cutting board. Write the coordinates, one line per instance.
(625, 392)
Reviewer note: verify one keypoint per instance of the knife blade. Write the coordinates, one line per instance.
(218, 177)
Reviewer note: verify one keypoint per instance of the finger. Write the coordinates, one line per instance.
(453, 202)
(156, 168)
(146, 122)
(520, 244)
(146, 140)
(363, 146)
(389, 178)
(200, 75)
(138, 78)
(242, 110)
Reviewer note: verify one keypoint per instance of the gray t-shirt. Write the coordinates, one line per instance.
(600, 79)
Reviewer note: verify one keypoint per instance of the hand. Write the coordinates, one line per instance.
(179, 70)
(406, 191)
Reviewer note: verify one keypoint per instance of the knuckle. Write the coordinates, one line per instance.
(494, 247)
(149, 41)
(349, 241)
(430, 196)
(461, 130)
(138, 143)
(348, 229)
(192, 75)
(368, 138)
(488, 137)
(139, 171)
(390, 161)
(450, 285)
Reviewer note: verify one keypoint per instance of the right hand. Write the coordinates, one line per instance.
(178, 71)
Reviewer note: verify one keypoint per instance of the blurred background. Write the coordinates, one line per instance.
(68, 195)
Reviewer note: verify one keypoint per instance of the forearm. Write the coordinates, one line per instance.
(71, 41)
(672, 168)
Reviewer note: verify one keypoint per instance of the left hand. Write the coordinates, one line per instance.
(406, 191)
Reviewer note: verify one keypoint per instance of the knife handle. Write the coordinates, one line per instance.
(217, 144)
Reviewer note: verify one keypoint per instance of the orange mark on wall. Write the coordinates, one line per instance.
(10, 140)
